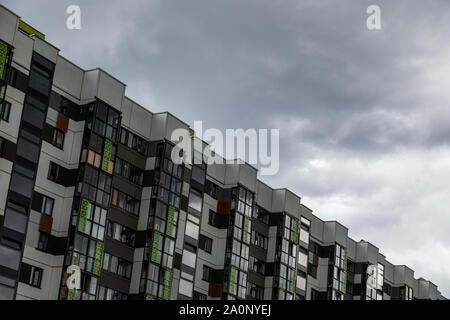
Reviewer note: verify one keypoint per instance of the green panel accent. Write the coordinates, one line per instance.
(84, 209)
(280, 294)
(106, 155)
(170, 222)
(167, 284)
(155, 246)
(296, 231)
(72, 294)
(148, 297)
(232, 286)
(293, 281)
(344, 280)
(30, 30)
(246, 234)
(3, 55)
(191, 132)
(98, 259)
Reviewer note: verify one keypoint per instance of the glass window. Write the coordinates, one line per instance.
(58, 138)
(189, 258)
(16, 217)
(36, 277)
(195, 200)
(6, 293)
(207, 273)
(5, 108)
(15, 221)
(192, 230)
(27, 150)
(186, 288)
(42, 241)
(47, 206)
(53, 171)
(33, 116)
(9, 257)
(208, 244)
(198, 174)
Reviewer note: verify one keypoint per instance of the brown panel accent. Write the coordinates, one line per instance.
(316, 260)
(46, 224)
(215, 290)
(223, 207)
(62, 123)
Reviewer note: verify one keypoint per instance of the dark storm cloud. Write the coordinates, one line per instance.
(363, 115)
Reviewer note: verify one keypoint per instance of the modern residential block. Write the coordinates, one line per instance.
(87, 180)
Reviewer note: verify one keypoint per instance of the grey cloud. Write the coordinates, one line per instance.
(338, 92)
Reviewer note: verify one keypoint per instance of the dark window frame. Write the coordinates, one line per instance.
(5, 110)
(36, 277)
(45, 199)
(58, 133)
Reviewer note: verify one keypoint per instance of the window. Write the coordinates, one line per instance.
(125, 202)
(58, 138)
(110, 294)
(95, 222)
(117, 265)
(198, 173)
(207, 273)
(5, 108)
(169, 188)
(256, 292)
(129, 171)
(259, 240)
(121, 233)
(36, 277)
(195, 200)
(96, 186)
(133, 141)
(192, 230)
(47, 206)
(206, 243)
(12, 77)
(186, 288)
(301, 280)
(53, 172)
(106, 121)
(303, 257)
(312, 270)
(199, 296)
(93, 155)
(257, 265)
(15, 217)
(83, 252)
(42, 241)
(212, 218)
(189, 258)
(9, 257)
(213, 192)
(2, 143)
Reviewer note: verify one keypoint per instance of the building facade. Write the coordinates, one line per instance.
(87, 180)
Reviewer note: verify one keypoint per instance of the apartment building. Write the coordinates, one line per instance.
(87, 179)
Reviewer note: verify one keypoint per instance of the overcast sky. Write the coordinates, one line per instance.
(364, 116)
